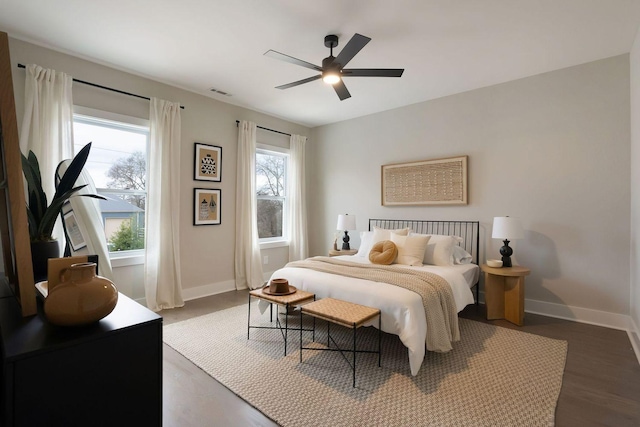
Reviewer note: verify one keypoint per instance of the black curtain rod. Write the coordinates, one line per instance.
(106, 88)
(270, 130)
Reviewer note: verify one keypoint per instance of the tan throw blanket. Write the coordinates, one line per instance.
(437, 297)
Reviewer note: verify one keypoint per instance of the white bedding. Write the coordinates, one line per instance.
(402, 310)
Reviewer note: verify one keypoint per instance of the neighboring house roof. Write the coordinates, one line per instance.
(115, 204)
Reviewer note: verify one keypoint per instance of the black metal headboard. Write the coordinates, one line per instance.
(468, 230)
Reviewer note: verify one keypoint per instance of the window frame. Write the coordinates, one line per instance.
(276, 242)
(121, 122)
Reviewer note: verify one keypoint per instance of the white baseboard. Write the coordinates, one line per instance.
(576, 314)
(208, 290)
(214, 288)
(579, 314)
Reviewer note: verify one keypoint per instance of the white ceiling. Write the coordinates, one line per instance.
(445, 46)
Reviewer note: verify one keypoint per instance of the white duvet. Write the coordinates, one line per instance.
(402, 310)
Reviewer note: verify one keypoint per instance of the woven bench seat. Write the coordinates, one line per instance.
(341, 312)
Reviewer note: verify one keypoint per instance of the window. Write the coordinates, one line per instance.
(117, 164)
(271, 194)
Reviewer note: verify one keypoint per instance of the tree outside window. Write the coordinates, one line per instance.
(271, 184)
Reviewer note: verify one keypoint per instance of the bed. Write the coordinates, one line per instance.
(404, 311)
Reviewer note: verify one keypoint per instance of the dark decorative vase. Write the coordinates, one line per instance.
(41, 251)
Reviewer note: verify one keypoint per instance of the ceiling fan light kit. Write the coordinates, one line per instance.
(332, 71)
(330, 77)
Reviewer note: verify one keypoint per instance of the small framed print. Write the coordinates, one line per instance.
(206, 206)
(73, 231)
(208, 162)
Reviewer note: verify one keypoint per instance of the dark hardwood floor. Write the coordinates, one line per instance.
(601, 385)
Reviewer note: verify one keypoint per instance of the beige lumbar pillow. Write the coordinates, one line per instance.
(383, 252)
(410, 248)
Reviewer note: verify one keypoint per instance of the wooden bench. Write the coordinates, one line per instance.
(345, 314)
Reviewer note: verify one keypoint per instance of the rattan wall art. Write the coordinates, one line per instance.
(425, 182)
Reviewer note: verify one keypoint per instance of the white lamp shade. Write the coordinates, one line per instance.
(346, 222)
(507, 227)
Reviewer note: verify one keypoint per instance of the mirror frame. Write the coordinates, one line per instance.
(14, 226)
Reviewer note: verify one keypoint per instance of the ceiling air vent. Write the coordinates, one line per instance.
(221, 92)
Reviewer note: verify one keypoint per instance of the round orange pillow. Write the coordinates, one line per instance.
(384, 252)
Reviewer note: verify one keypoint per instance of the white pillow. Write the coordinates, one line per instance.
(440, 249)
(460, 256)
(366, 243)
(410, 248)
(380, 234)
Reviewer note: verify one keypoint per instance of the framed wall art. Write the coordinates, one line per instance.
(73, 231)
(208, 162)
(425, 182)
(206, 206)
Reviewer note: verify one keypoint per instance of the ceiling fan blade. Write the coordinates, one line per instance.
(341, 90)
(372, 72)
(299, 82)
(291, 59)
(357, 42)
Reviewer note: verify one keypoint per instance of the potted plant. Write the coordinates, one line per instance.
(42, 215)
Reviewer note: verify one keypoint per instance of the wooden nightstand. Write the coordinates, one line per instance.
(504, 292)
(333, 252)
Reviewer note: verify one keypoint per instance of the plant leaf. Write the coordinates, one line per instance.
(95, 196)
(73, 172)
(42, 217)
(33, 161)
(37, 197)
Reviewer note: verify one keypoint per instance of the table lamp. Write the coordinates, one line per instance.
(346, 222)
(507, 228)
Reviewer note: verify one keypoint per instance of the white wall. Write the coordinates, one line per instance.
(552, 149)
(207, 251)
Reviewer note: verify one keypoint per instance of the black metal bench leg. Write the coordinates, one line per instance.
(354, 354)
(249, 317)
(300, 335)
(379, 340)
(286, 327)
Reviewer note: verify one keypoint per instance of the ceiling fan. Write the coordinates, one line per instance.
(332, 70)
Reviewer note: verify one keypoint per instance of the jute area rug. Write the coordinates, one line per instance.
(493, 377)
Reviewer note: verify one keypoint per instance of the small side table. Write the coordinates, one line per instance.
(299, 297)
(333, 252)
(504, 292)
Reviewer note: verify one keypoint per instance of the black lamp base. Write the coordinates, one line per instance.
(345, 241)
(506, 253)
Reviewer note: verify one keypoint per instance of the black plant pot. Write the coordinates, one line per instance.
(41, 251)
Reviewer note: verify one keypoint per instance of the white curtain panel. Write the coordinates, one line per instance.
(298, 245)
(47, 124)
(162, 281)
(247, 257)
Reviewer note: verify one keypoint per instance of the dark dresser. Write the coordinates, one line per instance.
(105, 374)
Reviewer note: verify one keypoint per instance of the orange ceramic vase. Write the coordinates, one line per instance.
(81, 297)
